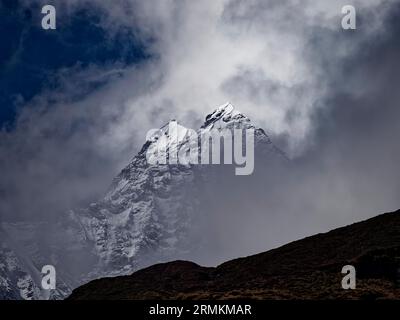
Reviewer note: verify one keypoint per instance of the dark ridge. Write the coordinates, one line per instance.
(306, 269)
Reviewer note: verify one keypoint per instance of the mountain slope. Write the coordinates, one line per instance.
(304, 269)
(151, 213)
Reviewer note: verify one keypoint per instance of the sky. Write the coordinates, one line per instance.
(77, 102)
(30, 57)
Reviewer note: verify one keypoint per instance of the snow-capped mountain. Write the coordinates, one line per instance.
(151, 213)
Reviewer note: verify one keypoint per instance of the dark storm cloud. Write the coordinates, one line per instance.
(349, 171)
(357, 131)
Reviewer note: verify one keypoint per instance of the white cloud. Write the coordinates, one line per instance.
(263, 56)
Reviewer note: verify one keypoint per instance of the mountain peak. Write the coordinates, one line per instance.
(226, 107)
(225, 113)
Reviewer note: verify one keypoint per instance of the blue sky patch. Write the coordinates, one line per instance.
(30, 56)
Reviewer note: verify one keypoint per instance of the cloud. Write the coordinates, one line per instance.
(209, 52)
(288, 65)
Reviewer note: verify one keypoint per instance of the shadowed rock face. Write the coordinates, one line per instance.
(304, 269)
